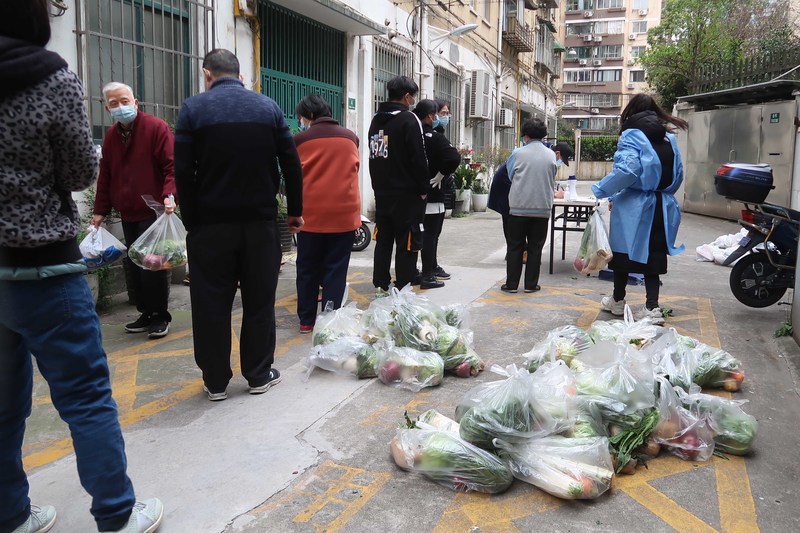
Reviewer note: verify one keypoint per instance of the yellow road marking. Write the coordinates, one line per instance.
(737, 510)
(493, 513)
(667, 510)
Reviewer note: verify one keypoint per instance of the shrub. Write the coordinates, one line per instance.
(598, 148)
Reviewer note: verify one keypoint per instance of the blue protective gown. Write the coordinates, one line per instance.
(632, 182)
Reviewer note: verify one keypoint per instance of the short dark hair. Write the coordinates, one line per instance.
(425, 108)
(442, 103)
(313, 106)
(26, 20)
(400, 86)
(534, 128)
(220, 62)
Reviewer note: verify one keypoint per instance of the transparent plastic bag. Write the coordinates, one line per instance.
(377, 321)
(681, 432)
(455, 348)
(349, 356)
(554, 388)
(572, 469)
(505, 409)
(627, 331)
(562, 343)
(334, 323)
(588, 421)
(446, 459)
(594, 253)
(163, 245)
(415, 323)
(438, 421)
(455, 315)
(673, 359)
(408, 368)
(717, 368)
(734, 430)
(100, 248)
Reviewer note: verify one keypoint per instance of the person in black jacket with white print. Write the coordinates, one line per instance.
(399, 171)
(443, 159)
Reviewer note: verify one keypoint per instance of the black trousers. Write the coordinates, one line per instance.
(150, 289)
(322, 260)
(524, 234)
(652, 287)
(430, 248)
(395, 217)
(220, 256)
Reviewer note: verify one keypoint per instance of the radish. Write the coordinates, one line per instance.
(463, 370)
(390, 372)
(152, 262)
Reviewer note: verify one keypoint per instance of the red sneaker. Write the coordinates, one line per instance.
(306, 328)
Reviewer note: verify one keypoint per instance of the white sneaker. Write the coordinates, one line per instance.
(145, 517)
(615, 308)
(40, 520)
(655, 315)
(216, 396)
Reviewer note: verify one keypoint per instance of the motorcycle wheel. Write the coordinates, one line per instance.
(362, 238)
(749, 283)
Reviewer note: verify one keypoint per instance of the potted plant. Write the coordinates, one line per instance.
(480, 194)
(464, 177)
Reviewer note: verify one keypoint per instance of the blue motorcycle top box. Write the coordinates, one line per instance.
(744, 182)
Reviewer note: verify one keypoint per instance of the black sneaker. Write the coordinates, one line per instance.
(274, 379)
(430, 282)
(417, 279)
(159, 329)
(506, 288)
(141, 324)
(440, 273)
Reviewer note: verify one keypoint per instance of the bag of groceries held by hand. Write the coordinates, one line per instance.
(100, 248)
(163, 245)
(595, 251)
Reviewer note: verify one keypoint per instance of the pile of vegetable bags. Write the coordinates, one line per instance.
(586, 405)
(402, 339)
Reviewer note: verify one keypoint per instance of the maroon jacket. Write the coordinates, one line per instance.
(142, 166)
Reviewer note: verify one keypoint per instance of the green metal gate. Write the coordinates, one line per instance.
(300, 56)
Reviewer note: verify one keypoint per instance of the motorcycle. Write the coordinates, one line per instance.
(362, 235)
(761, 278)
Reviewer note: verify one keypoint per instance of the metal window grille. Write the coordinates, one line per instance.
(481, 135)
(446, 87)
(389, 60)
(155, 47)
(301, 56)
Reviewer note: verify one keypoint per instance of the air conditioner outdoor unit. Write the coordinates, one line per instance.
(506, 118)
(583, 62)
(631, 61)
(588, 14)
(597, 62)
(587, 38)
(598, 38)
(630, 86)
(595, 110)
(479, 95)
(632, 36)
(642, 12)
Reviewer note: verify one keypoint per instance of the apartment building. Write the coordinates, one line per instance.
(603, 39)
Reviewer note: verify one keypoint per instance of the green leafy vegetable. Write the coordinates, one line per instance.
(624, 443)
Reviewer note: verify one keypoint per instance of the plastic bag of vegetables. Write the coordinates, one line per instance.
(505, 409)
(572, 469)
(415, 323)
(407, 368)
(554, 388)
(163, 245)
(681, 432)
(595, 251)
(717, 368)
(562, 343)
(378, 320)
(437, 420)
(100, 248)
(349, 356)
(455, 315)
(734, 430)
(628, 331)
(454, 346)
(334, 323)
(443, 457)
(588, 422)
(673, 358)
(615, 377)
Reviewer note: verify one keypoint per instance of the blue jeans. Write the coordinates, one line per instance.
(322, 261)
(54, 319)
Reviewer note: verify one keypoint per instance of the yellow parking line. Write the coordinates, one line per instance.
(737, 510)
(667, 510)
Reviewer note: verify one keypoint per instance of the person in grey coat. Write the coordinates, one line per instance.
(532, 172)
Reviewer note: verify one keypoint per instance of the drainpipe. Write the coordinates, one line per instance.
(240, 10)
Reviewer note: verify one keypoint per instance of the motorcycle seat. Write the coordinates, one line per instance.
(773, 209)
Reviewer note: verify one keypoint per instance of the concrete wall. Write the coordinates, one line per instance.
(592, 170)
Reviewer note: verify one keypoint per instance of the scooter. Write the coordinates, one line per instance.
(761, 278)
(362, 235)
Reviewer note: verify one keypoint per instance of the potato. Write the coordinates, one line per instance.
(398, 454)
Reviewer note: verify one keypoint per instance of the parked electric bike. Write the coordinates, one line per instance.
(761, 278)
(362, 235)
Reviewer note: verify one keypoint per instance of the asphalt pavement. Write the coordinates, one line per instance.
(312, 453)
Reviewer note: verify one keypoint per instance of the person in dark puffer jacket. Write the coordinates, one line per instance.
(46, 307)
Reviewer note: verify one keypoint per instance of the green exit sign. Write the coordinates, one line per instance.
(774, 118)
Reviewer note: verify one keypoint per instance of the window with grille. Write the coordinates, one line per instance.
(637, 51)
(155, 47)
(579, 29)
(576, 76)
(613, 51)
(609, 27)
(605, 100)
(579, 5)
(607, 4)
(389, 61)
(640, 26)
(481, 135)
(446, 87)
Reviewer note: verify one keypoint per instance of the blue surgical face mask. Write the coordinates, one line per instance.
(436, 123)
(559, 163)
(124, 114)
(444, 121)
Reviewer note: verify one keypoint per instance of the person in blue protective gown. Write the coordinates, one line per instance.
(645, 216)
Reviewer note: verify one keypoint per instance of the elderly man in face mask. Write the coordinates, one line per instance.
(137, 161)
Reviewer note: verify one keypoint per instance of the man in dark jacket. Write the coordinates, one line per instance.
(228, 143)
(137, 161)
(443, 159)
(399, 171)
